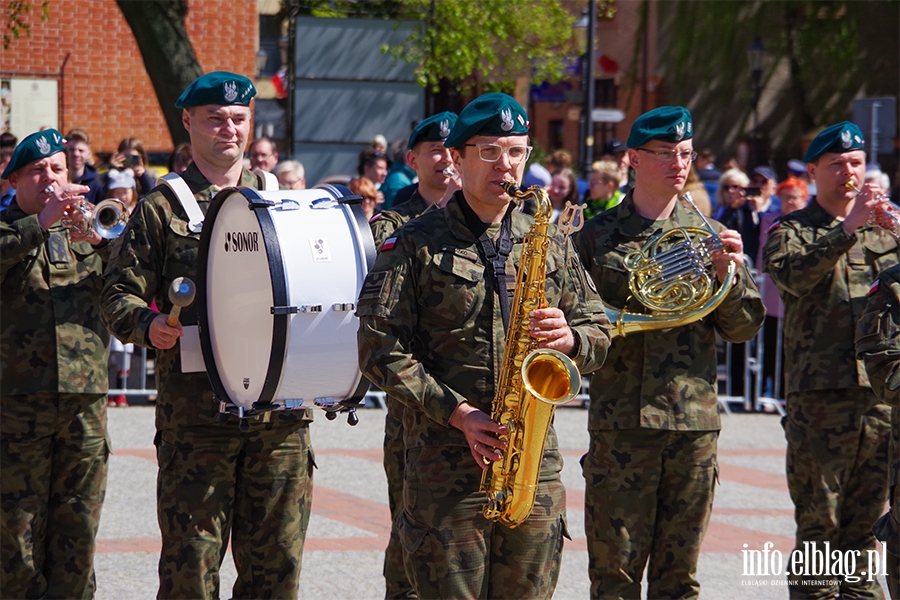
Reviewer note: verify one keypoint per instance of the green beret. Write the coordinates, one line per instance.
(34, 147)
(218, 87)
(839, 138)
(432, 129)
(666, 123)
(493, 114)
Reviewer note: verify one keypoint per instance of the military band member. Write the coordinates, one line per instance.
(53, 355)
(651, 467)
(823, 259)
(878, 346)
(427, 156)
(432, 336)
(216, 482)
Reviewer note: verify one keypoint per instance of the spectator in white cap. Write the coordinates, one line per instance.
(121, 185)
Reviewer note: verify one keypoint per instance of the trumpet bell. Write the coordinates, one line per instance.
(109, 218)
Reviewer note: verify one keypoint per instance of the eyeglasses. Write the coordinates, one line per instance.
(731, 188)
(687, 156)
(493, 152)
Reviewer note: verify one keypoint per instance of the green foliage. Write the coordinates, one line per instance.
(17, 19)
(485, 45)
(474, 45)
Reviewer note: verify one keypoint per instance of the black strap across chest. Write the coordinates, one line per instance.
(493, 254)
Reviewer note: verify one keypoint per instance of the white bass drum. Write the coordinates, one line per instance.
(279, 275)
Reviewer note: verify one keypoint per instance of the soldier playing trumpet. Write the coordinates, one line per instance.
(823, 258)
(53, 355)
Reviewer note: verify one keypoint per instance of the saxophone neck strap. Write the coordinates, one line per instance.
(494, 254)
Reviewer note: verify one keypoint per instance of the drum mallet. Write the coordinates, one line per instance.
(181, 294)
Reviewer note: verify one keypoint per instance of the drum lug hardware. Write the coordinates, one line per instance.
(284, 310)
(311, 308)
(343, 307)
(260, 203)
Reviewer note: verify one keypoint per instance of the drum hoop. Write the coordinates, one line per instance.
(279, 292)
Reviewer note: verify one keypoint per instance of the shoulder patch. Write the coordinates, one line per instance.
(389, 243)
(773, 227)
(375, 217)
(874, 287)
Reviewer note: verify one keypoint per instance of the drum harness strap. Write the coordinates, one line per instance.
(174, 182)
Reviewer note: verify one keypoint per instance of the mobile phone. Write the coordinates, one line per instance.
(131, 160)
(752, 191)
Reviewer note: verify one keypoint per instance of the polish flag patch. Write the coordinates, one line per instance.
(773, 227)
(388, 244)
(874, 287)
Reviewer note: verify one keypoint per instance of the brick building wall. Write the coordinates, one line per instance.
(105, 89)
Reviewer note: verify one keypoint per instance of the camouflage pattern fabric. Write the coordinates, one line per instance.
(53, 445)
(257, 484)
(207, 468)
(878, 345)
(653, 381)
(387, 221)
(834, 426)
(823, 276)
(54, 453)
(837, 464)
(431, 336)
(649, 495)
(454, 552)
(397, 585)
(663, 379)
(57, 341)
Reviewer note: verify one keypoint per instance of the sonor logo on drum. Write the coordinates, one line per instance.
(242, 241)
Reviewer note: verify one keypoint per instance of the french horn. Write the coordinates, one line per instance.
(672, 275)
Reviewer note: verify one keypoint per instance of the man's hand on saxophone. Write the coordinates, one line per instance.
(550, 326)
(480, 433)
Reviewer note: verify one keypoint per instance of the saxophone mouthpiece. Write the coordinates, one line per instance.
(448, 172)
(511, 187)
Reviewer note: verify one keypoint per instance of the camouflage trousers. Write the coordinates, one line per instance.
(837, 474)
(216, 482)
(887, 528)
(648, 496)
(396, 583)
(54, 454)
(454, 552)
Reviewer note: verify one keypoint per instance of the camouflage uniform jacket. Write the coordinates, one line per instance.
(431, 333)
(878, 346)
(663, 379)
(53, 339)
(823, 276)
(384, 223)
(156, 248)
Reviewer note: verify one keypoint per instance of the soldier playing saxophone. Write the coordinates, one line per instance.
(432, 314)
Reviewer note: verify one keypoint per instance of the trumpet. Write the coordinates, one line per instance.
(108, 218)
(885, 215)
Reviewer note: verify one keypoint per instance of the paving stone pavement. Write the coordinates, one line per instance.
(350, 520)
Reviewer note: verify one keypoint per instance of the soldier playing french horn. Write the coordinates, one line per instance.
(432, 336)
(653, 419)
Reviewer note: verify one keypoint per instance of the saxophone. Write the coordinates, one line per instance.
(533, 381)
